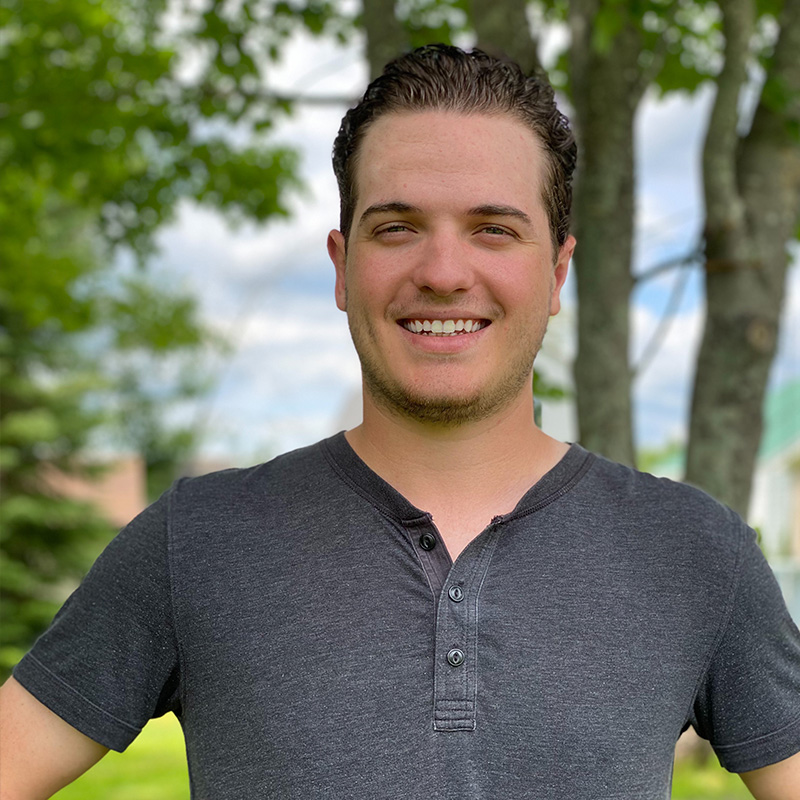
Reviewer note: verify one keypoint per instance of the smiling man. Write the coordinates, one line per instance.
(444, 601)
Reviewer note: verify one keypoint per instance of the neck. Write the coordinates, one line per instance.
(494, 460)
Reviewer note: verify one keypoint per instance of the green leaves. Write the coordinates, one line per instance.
(112, 113)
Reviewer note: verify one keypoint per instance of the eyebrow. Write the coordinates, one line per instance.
(394, 207)
(487, 210)
(491, 210)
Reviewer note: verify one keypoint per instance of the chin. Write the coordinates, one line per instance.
(445, 409)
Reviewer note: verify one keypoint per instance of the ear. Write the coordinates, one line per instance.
(560, 273)
(336, 251)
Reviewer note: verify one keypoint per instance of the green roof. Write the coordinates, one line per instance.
(781, 418)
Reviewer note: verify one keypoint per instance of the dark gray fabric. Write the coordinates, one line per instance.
(298, 618)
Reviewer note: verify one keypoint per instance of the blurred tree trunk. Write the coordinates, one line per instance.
(752, 192)
(386, 36)
(606, 91)
(607, 86)
(502, 29)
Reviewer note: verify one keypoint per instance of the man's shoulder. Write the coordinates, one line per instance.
(294, 468)
(661, 504)
(624, 481)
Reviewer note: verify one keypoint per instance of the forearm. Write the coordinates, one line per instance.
(39, 752)
(779, 781)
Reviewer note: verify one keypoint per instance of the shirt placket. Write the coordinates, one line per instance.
(457, 588)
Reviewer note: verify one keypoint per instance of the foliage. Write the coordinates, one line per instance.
(706, 781)
(112, 113)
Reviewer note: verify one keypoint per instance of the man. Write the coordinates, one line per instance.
(443, 602)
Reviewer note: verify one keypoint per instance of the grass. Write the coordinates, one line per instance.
(154, 767)
(709, 781)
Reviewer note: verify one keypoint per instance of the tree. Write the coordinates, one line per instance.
(104, 129)
(752, 193)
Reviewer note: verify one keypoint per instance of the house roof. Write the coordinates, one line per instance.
(781, 419)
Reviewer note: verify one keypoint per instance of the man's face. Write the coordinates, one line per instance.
(449, 275)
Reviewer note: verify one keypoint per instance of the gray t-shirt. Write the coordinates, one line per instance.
(306, 624)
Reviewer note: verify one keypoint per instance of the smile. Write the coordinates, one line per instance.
(443, 327)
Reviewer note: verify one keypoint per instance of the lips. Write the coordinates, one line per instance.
(443, 327)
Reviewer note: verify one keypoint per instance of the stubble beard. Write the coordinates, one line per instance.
(446, 410)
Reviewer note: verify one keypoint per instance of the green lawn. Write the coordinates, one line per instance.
(154, 767)
(707, 782)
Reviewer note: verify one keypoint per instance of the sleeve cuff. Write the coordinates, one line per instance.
(761, 752)
(73, 707)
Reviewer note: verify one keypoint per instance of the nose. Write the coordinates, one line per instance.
(444, 265)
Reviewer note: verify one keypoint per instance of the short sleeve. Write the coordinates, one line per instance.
(748, 705)
(109, 660)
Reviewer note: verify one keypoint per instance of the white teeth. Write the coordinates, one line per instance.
(446, 327)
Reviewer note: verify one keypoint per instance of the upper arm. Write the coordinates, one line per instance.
(39, 752)
(780, 781)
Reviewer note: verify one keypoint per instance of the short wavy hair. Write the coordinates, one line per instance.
(449, 79)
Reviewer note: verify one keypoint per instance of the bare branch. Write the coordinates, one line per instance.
(664, 324)
(313, 99)
(688, 260)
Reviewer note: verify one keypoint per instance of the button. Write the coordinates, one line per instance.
(456, 594)
(427, 541)
(455, 658)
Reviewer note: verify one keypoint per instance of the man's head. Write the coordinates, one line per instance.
(440, 77)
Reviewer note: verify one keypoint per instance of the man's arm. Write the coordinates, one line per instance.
(39, 752)
(779, 781)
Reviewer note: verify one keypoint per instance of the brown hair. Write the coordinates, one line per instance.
(443, 77)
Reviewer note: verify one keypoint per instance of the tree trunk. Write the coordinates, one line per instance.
(502, 29)
(752, 211)
(606, 93)
(386, 37)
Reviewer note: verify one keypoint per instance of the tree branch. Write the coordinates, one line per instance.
(664, 324)
(724, 208)
(667, 266)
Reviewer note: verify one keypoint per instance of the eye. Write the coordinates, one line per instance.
(495, 230)
(392, 228)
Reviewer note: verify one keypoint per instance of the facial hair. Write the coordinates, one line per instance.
(446, 409)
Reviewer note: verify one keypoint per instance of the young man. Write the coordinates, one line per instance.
(443, 601)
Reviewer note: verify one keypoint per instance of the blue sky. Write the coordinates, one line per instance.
(269, 290)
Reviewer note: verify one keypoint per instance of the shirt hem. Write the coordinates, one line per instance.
(761, 752)
(75, 709)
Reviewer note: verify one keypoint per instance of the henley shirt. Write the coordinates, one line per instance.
(307, 626)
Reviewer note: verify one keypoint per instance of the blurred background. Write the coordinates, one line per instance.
(166, 301)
